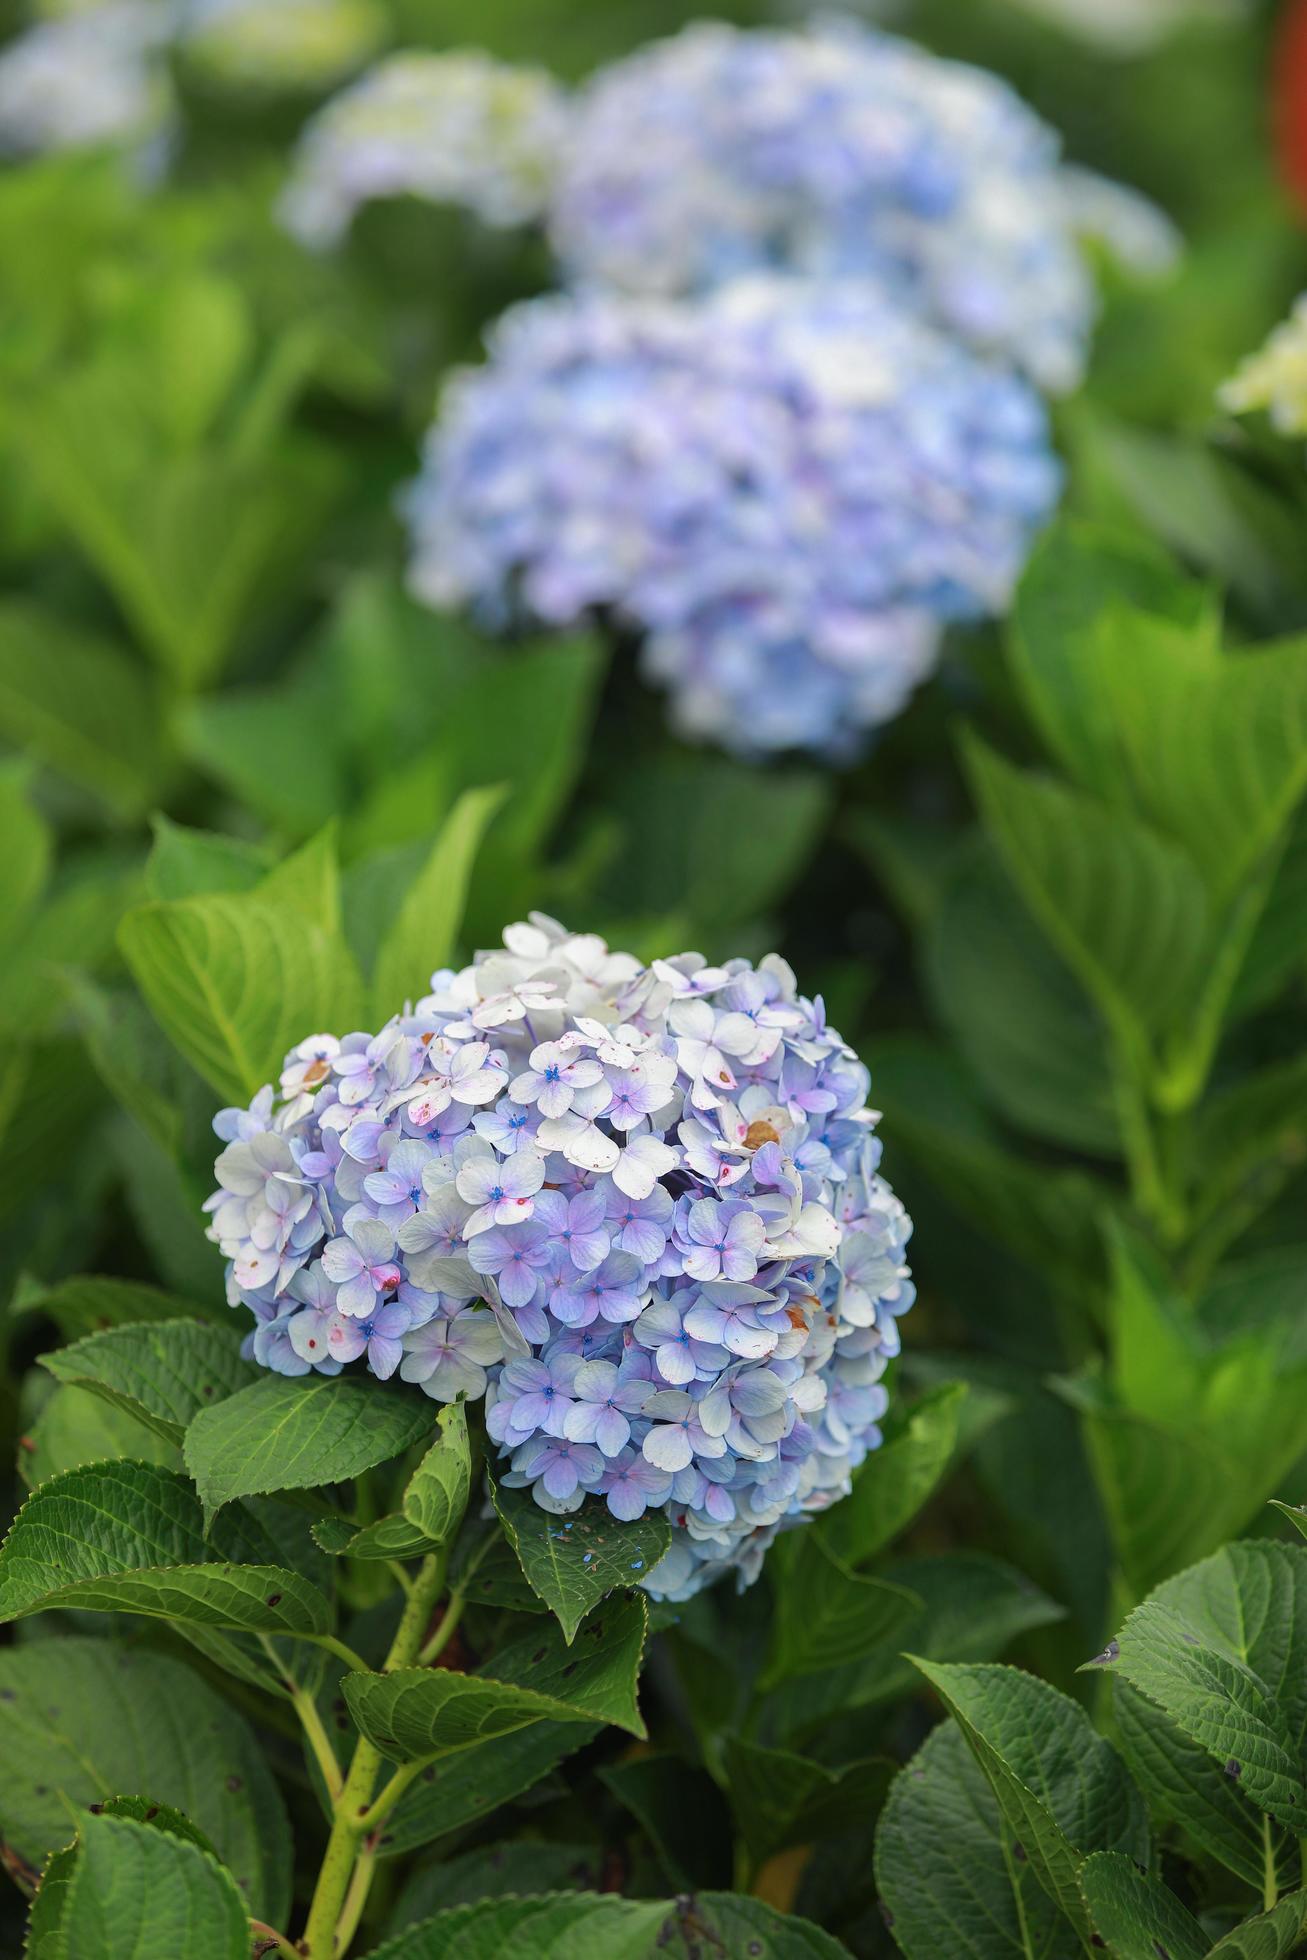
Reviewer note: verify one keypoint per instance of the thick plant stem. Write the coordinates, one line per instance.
(347, 1864)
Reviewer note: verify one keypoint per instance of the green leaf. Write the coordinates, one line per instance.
(126, 1537)
(417, 1713)
(1272, 1935)
(161, 1372)
(1216, 1649)
(123, 1047)
(564, 1926)
(973, 1607)
(780, 1799)
(1076, 573)
(1123, 906)
(1062, 1790)
(112, 1719)
(1021, 1022)
(436, 1495)
(681, 1811)
(76, 1427)
(283, 1434)
(462, 1789)
(25, 864)
(947, 1872)
(80, 706)
(1182, 1784)
(825, 1614)
(74, 928)
(586, 1926)
(1050, 1218)
(190, 863)
(1136, 1915)
(273, 748)
(91, 1303)
(308, 882)
(140, 1894)
(200, 334)
(234, 982)
(423, 937)
(516, 1868)
(896, 1480)
(572, 1562)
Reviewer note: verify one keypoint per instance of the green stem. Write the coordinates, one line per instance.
(1270, 1890)
(357, 1896)
(319, 1742)
(444, 1633)
(353, 1661)
(269, 1940)
(326, 1934)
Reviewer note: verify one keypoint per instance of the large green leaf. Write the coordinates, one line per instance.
(81, 706)
(1220, 1649)
(273, 748)
(780, 1799)
(586, 1926)
(111, 1720)
(234, 982)
(1062, 1790)
(136, 1893)
(1272, 1935)
(1182, 1784)
(91, 1303)
(1077, 573)
(896, 1480)
(418, 1713)
(186, 863)
(161, 1372)
(128, 1537)
(1137, 1916)
(1124, 906)
(25, 864)
(284, 1434)
(825, 1614)
(1022, 1024)
(423, 936)
(462, 1789)
(572, 1562)
(562, 1926)
(947, 1869)
(436, 1495)
(973, 1607)
(76, 1427)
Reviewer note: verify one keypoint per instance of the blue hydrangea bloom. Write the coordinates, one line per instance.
(676, 1283)
(788, 489)
(838, 151)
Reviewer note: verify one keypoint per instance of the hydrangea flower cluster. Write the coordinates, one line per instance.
(637, 1208)
(1131, 26)
(840, 151)
(86, 79)
(788, 490)
(455, 128)
(279, 44)
(1275, 378)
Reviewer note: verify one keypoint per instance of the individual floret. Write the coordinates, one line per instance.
(1275, 378)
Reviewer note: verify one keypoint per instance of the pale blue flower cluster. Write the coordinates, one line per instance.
(637, 1208)
(788, 490)
(87, 79)
(835, 152)
(458, 129)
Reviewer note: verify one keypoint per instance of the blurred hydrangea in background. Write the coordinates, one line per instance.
(1275, 378)
(836, 152)
(289, 45)
(88, 78)
(788, 489)
(1129, 26)
(664, 1179)
(459, 129)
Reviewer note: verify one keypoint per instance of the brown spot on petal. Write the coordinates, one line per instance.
(759, 1133)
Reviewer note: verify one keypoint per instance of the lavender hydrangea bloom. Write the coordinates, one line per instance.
(837, 151)
(788, 491)
(452, 128)
(713, 1346)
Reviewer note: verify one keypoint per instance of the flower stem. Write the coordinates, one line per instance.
(444, 1633)
(347, 1863)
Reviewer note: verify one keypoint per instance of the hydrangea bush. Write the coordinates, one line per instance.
(663, 1181)
(789, 490)
(86, 79)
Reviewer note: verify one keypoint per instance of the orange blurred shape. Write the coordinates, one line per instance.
(1289, 99)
